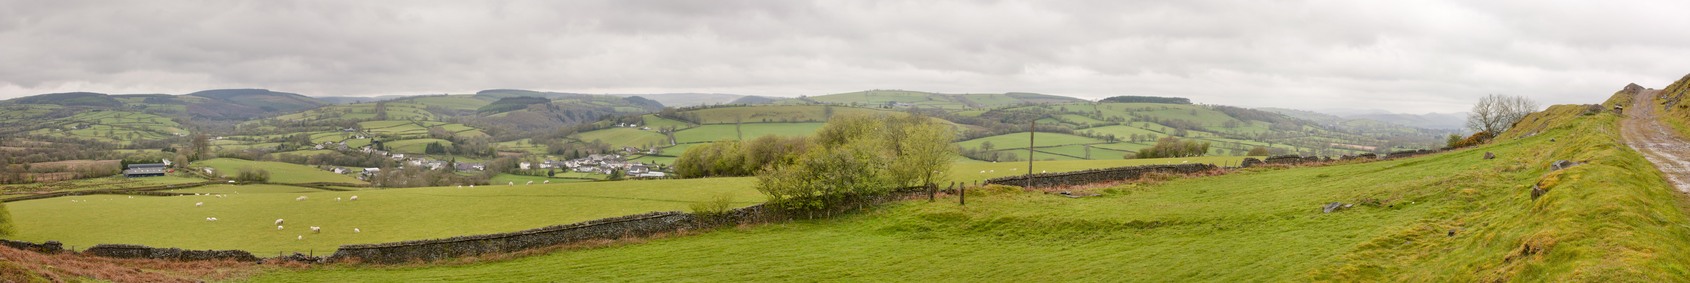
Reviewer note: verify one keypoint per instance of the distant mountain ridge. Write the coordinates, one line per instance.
(217, 104)
(1433, 121)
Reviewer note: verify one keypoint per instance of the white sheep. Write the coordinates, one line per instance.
(512, 183)
(472, 186)
(300, 198)
(300, 237)
(278, 227)
(354, 198)
(211, 219)
(529, 183)
(355, 230)
(547, 182)
(278, 222)
(199, 204)
(315, 229)
(460, 186)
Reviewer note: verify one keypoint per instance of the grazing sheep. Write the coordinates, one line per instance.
(300, 198)
(199, 204)
(278, 227)
(315, 229)
(355, 230)
(460, 186)
(300, 237)
(337, 199)
(472, 186)
(131, 196)
(354, 197)
(547, 182)
(278, 222)
(511, 183)
(211, 219)
(529, 183)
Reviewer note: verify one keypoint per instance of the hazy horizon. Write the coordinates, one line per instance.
(1414, 57)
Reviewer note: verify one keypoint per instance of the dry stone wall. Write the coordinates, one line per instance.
(1098, 175)
(139, 251)
(603, 229)
(49, 247)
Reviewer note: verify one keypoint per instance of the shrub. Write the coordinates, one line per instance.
(715, 210)
(1473, 140)
(249, 175)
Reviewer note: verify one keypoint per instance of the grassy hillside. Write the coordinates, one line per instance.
(1446, 217)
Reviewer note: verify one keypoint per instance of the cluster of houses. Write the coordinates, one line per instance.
(419, 161)
(597, 163)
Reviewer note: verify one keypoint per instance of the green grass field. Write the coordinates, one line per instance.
(1446, 217)
(620, 137)
(1019, 140)
(245, 219)
(248, 189)
(279, 172)
(414, 146)
(710, 133)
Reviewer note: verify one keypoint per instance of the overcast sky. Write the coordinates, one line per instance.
(1403, 56)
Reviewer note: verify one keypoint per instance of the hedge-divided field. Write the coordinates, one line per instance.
(1445, 217)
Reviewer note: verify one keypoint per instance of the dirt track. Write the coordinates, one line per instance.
(1647, 134)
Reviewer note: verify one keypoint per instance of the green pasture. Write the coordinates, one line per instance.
(630, 137)
(279, 172)
(710, 133)
(1019, 140)
(246, 214)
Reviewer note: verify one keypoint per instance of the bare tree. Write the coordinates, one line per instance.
(1496, 113)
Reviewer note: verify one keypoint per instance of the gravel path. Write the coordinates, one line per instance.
(1647, 134)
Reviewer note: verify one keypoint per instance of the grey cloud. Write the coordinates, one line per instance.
(1411, 56)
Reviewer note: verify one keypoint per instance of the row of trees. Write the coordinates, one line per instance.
(1173, 147)
(739, 158)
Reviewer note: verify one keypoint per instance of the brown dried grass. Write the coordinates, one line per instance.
(68, 267)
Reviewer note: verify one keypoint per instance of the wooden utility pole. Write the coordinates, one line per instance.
(1032, 129)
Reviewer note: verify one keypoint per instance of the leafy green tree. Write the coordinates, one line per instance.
(857, 157)
(1258, 151)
